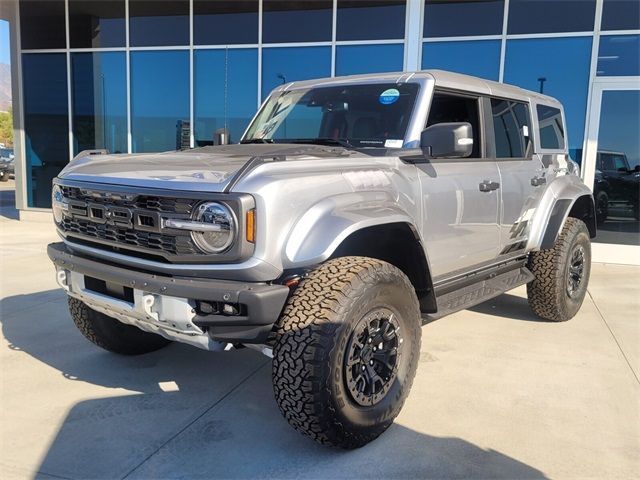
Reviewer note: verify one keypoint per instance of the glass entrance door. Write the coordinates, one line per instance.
(612, 169)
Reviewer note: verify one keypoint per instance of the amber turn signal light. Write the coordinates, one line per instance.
(251, 226)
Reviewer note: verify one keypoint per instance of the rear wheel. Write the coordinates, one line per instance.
(346, 351)
(112, 335)
(561, 274)
(602, 207)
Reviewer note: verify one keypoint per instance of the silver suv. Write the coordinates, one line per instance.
(352, 209)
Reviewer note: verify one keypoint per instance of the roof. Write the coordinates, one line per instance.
(442, 78)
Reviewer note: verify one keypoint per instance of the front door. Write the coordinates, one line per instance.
(612, 169)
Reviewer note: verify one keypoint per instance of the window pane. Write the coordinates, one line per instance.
(282, 65)
(621, 15)
(296, 21)
(354, 59)
(370, 19)
(157, 22)
(42, 24)
(619, 55)
(509, 120)
(551, 129)
(46, 123)
(544, 16)
(476, 57)
(224, 98)
(223, 22)
(452, 18)
(561, 65)
(159, 99)
(446, 108)
(94, 24)
(99, 101)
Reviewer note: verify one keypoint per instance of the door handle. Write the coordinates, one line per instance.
(537, 181)
(488, 186)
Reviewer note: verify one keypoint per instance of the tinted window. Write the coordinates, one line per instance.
(46, 123)
(480, 58)
(42, 24)
(94, 24)
(223, 22)
(159, 99)
(99, 101)
(544, 16)
(282, 65)
(561, 67)
(355, 59)
(452, 18)
(296, 21)
(158, 22)
(551, 129)
(619, 55)
(621, 15)
(612, 162)
(370, 20)
(447, 108)
(511, 128)
(226, 92)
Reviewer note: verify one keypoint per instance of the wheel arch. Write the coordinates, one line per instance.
(582, 208)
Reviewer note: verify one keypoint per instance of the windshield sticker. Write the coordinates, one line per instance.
(393, 143)
(389, 96)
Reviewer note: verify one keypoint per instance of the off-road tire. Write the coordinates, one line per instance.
(312, 336)
(602, 207)
(112, 335)
(4, 176)
(547, 293)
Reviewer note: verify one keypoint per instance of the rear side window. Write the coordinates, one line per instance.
(511, 128)
(551, 130)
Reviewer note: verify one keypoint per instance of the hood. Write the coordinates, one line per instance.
(208, 169)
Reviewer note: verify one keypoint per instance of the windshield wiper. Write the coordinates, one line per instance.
(341, 142)
(258, 140)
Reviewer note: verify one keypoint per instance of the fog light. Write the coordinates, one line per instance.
(229, 309)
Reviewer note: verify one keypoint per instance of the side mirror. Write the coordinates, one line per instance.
(447, 140)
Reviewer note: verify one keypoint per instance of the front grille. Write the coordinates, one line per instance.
(129, 221)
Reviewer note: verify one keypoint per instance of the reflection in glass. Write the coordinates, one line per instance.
(619, 55)
(295, 21)
(42, 24)
(223, 22)
(46, 122)
(546, 16)
(551, 129)
(452, 18)
(480, 58)
(560, 68)
(99, 100)
(283, 65)
(95, 24)
(158, 23)
(356, 59)
(621, 15)
(225, 92)
(617, 180)
(370, 19)
(509, 122)
(159, 99)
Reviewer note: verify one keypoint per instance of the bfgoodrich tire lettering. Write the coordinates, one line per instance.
(112, 335)
(551, 294)
(312, 338)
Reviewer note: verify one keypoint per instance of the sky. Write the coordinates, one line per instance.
(4, 42)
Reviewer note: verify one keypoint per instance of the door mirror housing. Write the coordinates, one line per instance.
(447, 140)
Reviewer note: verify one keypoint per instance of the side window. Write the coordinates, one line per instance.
(551, 130)
(511, 128)
(447, 108)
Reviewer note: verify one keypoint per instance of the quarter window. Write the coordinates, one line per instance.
(551, 129)
(446, 108)
(511, 128)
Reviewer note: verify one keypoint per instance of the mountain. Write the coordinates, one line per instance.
(5, 87)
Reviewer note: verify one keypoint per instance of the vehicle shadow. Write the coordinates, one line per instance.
(509, 306)
(201, 415)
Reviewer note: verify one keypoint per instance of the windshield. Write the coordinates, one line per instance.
(357, 116)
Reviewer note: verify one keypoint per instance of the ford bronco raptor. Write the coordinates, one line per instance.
(352, 209)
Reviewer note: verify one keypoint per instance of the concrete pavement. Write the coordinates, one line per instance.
(498, 394)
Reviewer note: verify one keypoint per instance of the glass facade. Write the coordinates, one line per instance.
(480, 58)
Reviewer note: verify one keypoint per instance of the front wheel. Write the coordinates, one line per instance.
(346, 351)
(561, 274)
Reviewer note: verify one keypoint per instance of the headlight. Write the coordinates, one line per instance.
(221, 229)
(58, 203)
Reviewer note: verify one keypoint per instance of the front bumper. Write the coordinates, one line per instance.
(170, 306)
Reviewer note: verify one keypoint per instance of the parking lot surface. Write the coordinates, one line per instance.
(498, 394)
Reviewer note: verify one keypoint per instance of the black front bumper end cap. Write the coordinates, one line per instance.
(263, 302)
